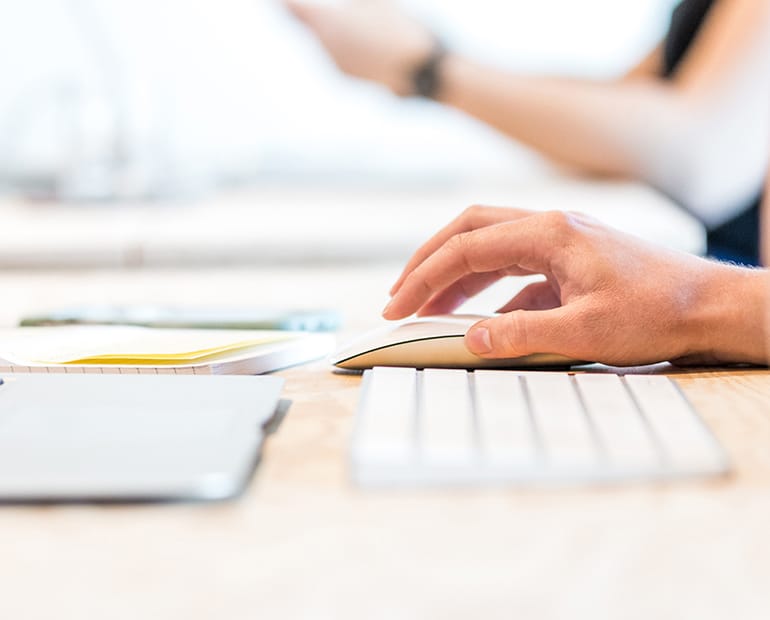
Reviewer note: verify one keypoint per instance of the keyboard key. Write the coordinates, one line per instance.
(560, 420)
(386, 417)
(623, 434)
(506, 436)
(686, 443)
(446, 427)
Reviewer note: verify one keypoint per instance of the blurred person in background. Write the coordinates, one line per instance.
(691, 119)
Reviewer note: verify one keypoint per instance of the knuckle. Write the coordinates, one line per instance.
(474, 209)
(563, 225)
(509, 335)
(460, 246)
(557, 220)
(578, 217)
(427, 287)
(472, 213)
(457, 244)
(420, 286)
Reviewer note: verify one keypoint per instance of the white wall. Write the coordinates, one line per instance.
(203, 89)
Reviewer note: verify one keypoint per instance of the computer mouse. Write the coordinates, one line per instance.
(432, 342)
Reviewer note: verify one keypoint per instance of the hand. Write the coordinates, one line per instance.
(607, 296)
(369, 39)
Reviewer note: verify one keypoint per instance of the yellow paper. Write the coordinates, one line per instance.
(134, 346)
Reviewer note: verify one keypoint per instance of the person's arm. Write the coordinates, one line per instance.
(607, 296)
(764, 236)
(681, 135)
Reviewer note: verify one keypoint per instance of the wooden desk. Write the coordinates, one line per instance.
(302, 543)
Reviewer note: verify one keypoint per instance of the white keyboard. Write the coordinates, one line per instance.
(435, 427)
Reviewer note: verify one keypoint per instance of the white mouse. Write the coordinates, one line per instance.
(431, 342)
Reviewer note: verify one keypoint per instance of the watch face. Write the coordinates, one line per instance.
(426, 78)
(425, 82)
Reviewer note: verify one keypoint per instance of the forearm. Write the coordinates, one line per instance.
(602, 127)
(703, 147)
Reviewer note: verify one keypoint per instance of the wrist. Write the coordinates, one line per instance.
(426, 77)
(728, 316)
(408, 57)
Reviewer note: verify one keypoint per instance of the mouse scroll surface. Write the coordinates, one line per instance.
(432, 342)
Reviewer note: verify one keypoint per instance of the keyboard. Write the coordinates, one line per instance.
(456, 427)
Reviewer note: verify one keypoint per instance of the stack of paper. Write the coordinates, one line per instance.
(111, 349)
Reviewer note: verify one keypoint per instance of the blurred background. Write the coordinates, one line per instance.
(162, 99)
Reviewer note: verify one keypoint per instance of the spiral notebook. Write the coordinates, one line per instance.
(140, 350)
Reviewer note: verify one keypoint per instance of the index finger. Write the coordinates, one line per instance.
(529, 243)
(472, 218)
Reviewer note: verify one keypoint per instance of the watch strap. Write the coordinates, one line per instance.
(426, 78)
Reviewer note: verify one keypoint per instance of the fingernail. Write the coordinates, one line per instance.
(478, 340)
(386, 308)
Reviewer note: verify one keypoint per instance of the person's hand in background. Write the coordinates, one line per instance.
(607, 297)
(369, 39)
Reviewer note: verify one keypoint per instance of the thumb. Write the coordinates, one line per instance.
(522, 332)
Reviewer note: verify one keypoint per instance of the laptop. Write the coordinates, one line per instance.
(131, 438)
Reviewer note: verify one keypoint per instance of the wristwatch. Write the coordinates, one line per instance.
(426, 78)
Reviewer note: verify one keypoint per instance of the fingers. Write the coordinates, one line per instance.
(457, 294)
(529, 243)
(470, 219)
(536, 296)
(464, 289)
(524, 332)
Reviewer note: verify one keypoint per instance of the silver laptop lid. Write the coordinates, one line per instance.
(136, 437)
